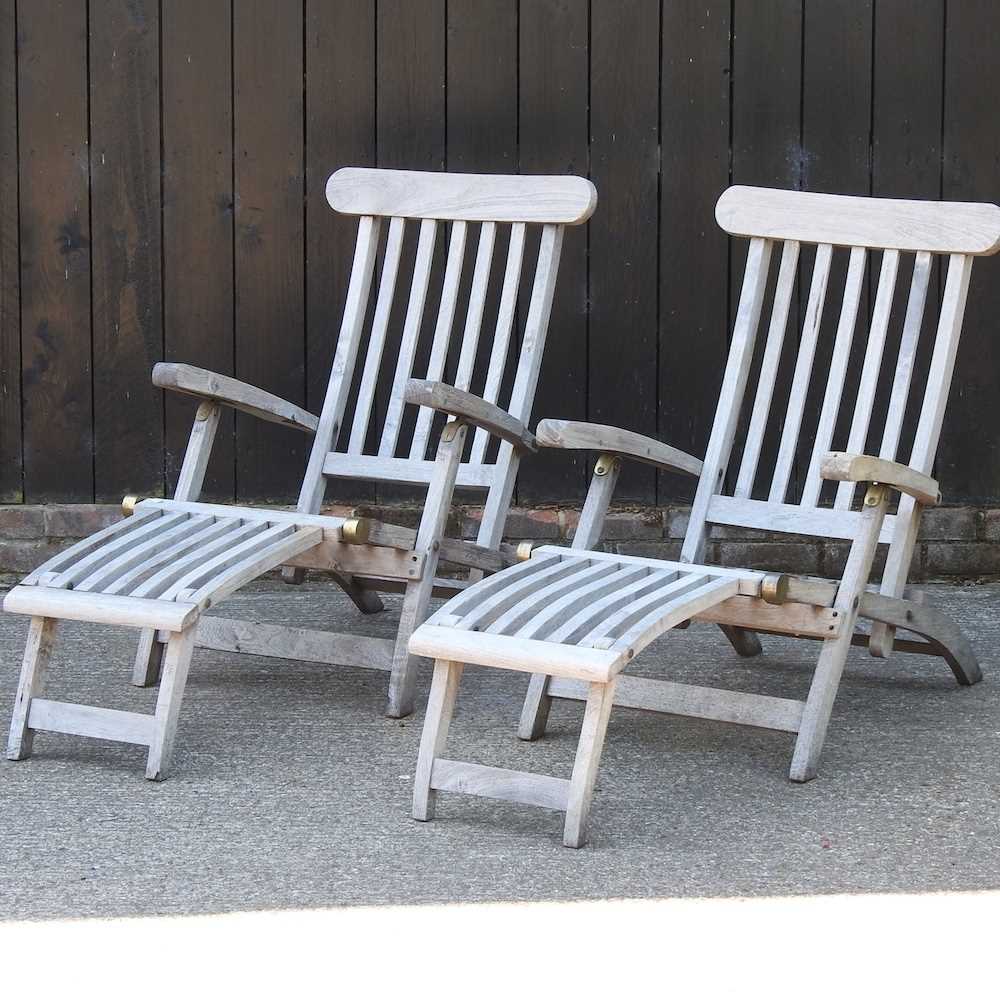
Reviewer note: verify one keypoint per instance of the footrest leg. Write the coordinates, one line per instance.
(148, 659)
(176, 660)
(440, 707)
(535, 711)
(600, 698)
(37, 653)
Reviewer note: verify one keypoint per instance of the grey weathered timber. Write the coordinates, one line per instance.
(171, 560)
(471, 409)
(233, 393)
(520, 620)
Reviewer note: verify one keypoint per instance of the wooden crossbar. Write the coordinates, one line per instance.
(499, 783)
(89, 720)
(653, 695)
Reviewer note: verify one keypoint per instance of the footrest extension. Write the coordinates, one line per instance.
(89, 720)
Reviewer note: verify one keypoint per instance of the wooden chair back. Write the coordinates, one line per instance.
(354, 441)
(832, 403)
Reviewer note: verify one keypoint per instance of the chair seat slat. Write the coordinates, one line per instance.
(187, 561)
(492, 607)
(102, 579)
(539, 600)
(558, 612)
(614, 625)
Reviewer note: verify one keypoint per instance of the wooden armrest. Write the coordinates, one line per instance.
(615, 441)
(841, 466)
(471, 409)
(231, 392)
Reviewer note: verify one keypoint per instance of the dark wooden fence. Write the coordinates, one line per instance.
(161, 196)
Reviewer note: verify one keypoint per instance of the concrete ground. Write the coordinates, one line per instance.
(291, 789)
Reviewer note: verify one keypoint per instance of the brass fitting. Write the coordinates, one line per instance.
(356, 530)
(604, 465)
(523, 550)
(875, 494)
(128, 504)
(774, 588)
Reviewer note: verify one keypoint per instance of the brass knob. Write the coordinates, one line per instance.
(774, 588)
(523, 550)
(128, 504)
(356, 530)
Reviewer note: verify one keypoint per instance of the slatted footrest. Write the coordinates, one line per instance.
(89, 720)
(164, 565)
(574, 614)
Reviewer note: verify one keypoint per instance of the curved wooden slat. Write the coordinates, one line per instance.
(539, 600)
(876, 223)
(416, 194)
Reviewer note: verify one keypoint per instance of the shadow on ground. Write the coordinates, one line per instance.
(292, 790)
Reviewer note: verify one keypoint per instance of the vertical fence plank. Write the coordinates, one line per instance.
(269, 248)
(55, 251)
(836, 125)
(554, 123)
(125, 214)
(11, 463)
(907, 99)
(410, 133)
(340, 132)
(198, 217)
(482, 137)
(624, 152)
(694, 130)
(767, 150)
(969, 456)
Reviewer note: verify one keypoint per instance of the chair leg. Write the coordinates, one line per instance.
(403, 679)
(148, 659)
(535, 711)
(745, 642)
(819, 707)
(600, 698)
(176, 661)
(37, 653)
(440, 707)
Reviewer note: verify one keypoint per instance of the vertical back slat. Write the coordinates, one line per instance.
(442, 331)
(803, 374)
(906, 359)
(528, 366)
(376, 342)
(411, 334)
(838, 372)
(870, 369)
(768, 369)
(355, 306)
(734, 382)
(477, 302)
(501, 336)
(925, 442)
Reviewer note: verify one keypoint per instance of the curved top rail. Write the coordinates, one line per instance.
(417, 194)
(876, 223)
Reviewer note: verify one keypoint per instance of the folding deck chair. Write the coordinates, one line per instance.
(575, 618)
(160, 568)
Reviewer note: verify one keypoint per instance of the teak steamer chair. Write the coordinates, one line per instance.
(575, 618)
(160, 568)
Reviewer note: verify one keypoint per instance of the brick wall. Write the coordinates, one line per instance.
(955, 542)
